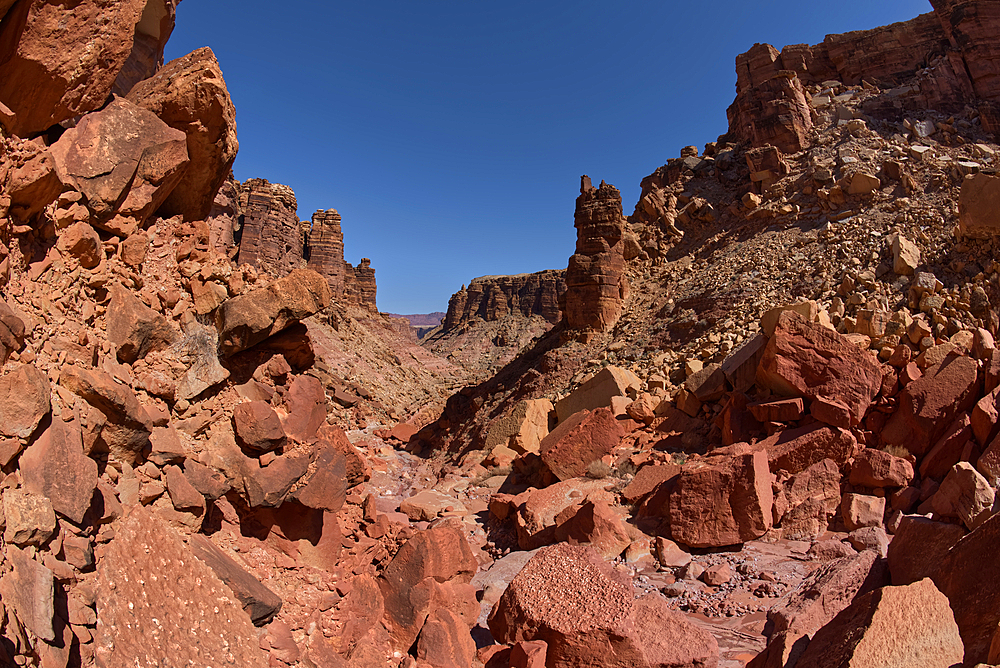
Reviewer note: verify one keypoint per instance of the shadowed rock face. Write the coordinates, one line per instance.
(595, 281)
(493, 297)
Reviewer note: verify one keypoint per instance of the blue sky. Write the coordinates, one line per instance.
(451, 135)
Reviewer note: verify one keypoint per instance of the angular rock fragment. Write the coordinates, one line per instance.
(124, 159)
(54, 466)
(893, 626)
(258, 601)
(134, 328)
(249, 319)
(722, 504)
(581, 439)
(807, 359)
(24, 401)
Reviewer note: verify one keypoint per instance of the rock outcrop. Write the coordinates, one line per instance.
(272, 237)
(595, 281)
(190, 95)
(951, 46)
(326, 249)
(493, 297)
(59, 61)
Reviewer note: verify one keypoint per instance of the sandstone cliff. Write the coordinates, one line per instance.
(948, 47)
(492, 319)
(271, 237)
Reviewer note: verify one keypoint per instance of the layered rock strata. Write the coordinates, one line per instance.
(494, 297)
(595, 282)
(272, 238)
(951, 48)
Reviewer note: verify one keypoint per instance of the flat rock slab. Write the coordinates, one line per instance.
(157, 600)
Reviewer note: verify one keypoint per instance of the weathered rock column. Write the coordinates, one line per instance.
(326, 249)
(595, 280)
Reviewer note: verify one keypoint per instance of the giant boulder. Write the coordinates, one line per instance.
(247, 320)
(124, 159)
(928, 405)
(910, 625)
(580, 440)
(190, 95)
(585, 610)
(805, 359)
(725, 503)
(60, 60)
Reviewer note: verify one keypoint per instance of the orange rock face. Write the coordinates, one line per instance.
(595, 282)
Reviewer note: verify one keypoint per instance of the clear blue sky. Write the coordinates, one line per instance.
(451, 134)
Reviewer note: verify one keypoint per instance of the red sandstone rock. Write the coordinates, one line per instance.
(893, 626)
(581, 439)
(538, 511)
(326, 488)
(722, 504)
(861, 510)
(441, 555)
(595, 282)
(493, 297)
(795, 450)
(33, 185)
(647, 479)
(30, 590)
(55, 467)
(984, 418)
(918, 546)
(770, 105)
(81, 241)
(182, 493)
(927, 406)
(969, 575)
(964, 494)
(585, 611)
(828, 590)
(832, 412)
(805, 504)
(257, 426)
(305, 403)
(528, 654)
(782, 410)
(259, 602)
(190, 95)
(445, 641)
(24, 401)
(249, 319)
(272, 237)
(134, 328)
(139, 162)
(185, 594)
(807, 359)
(948, 450)
(63, 61)
(874, 468)
(594, 523)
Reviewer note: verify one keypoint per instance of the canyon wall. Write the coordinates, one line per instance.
(494, 297)
(950, 48)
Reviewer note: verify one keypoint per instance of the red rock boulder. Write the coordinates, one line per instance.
(586, 613)
(190, 95)
(911, 625)
(580, 440)
(928, 405)
(61, 61)
(808, 360)
(257, 426)
(134, 328)
(724, 503)
(875, 468)
(795, 450)
(24, 401)
(125, 160)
